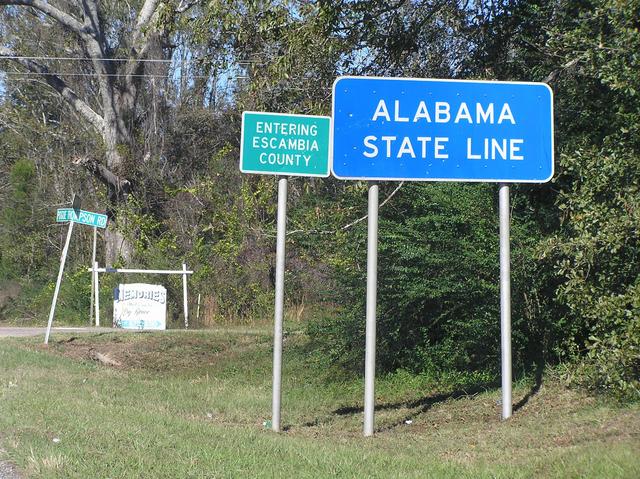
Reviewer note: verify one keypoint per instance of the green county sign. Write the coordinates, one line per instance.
(282, 144)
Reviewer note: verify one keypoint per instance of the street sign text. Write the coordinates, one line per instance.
(279, 144)
(84, 217)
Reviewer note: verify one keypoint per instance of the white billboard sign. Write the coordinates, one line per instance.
(140, 306)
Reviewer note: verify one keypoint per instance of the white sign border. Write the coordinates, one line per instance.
(442, 180)
(274, 173)
(120, 304)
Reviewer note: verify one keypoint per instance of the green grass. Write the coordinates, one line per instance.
(193, 405)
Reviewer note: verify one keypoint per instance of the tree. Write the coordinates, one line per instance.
(116, 41)
(597, 247)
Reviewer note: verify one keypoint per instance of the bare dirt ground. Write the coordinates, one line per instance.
(7, 470)
(14, 332)
(152, 352)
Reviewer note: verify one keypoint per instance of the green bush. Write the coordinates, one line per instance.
(612, 363)
(438, 287)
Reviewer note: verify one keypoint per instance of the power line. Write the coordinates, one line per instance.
(146, 60)
(21, 57)
(218, 88)
(19, 74)
(169, 75)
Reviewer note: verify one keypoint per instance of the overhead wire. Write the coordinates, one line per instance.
(180, 65)
(145, 60)
(27, 74)
(23, 57)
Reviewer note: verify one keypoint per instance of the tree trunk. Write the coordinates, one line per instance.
(117, 245)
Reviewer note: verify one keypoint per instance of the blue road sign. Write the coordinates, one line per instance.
(83, 217)
(442, 130)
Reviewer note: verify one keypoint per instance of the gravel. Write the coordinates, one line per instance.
(7, 471)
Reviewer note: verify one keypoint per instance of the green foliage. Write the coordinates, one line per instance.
(234, 263)
(20, 220)
(438, 277)
(597, 247)
(612, 363)
(575, 247)
(74, 300)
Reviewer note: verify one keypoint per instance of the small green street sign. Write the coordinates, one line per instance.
(84, 217)
(283, 144)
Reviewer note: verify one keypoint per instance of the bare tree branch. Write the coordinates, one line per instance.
(186, 5)
(146, 12)
(553, 76)
(140, 43)
(64, 18)
(60, 86)
(108, 177)
(353, 223)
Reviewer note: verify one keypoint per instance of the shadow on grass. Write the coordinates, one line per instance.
(534, 390)
(418, 406)
(422, 405)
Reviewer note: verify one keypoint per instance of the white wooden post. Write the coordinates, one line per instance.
(184, 293)
(97, 290)
(184, 272)
(93, 272)
(63, 259)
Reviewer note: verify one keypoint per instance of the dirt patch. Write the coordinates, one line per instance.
(156, 352)
(7, 469)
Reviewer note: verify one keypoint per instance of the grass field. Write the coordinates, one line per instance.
(194, 405)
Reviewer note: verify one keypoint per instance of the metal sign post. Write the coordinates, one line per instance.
(370, 343)
(505, 301)
(279, 303)
(63, 259)
(76, 215)
(412, 129)
(283, 144)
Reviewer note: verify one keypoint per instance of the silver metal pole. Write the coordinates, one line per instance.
(279, 304)
(93, 271)
(505, 301)
(63, 259)
(184, 296)
(96, 286)
(370, 343)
